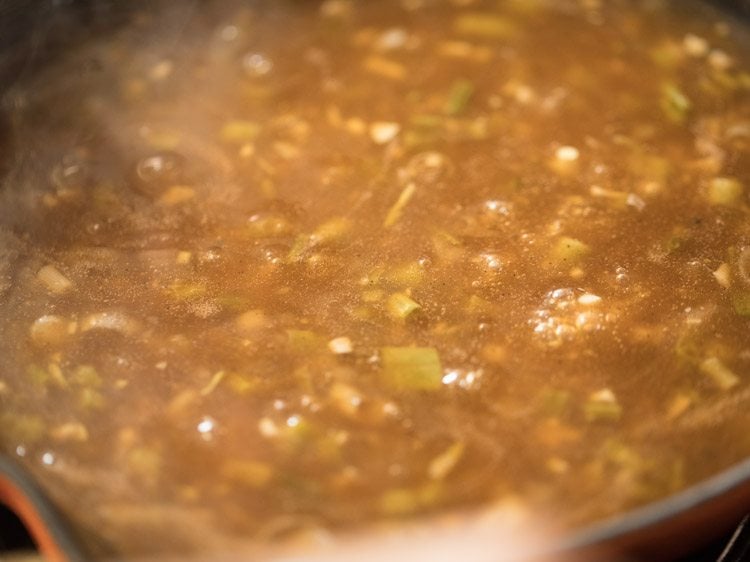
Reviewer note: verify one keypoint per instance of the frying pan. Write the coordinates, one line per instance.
(33, 33)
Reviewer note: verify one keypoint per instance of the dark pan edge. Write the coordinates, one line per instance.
(689, 517)
(44, 522)
(715, 502)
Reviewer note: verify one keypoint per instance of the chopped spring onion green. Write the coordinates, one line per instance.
(177, 194)
(724, 191)
(51, 376)
(447, 247)
(621, 455)
(22, 428)
(674, 103)
(268, 226)
(676, 241)
(395, 212)
(162, 139)
(385, 67)
(70, 432)
(602, 406)
(295, 434)
(251, 321)
(479, 306)
(299, 248)
(485, 25)
(186, 291)
(90, 399)
(239, 131)
(399, 501)
(721, 375)
(617, 199)
(241, 384)
(252, 474)
(427, 120)
(464, 50)
(86, 376)
(331, 231)
(412, 368)
(554, 402)
(145, 462)
(401, 306)
(406, 275)
(421, 137)
(569, 250)
(303, 341)
(213, 383)
(741, 303)
(445, 462)
(232, 303)
(37, 375)
(651, 167)
(459, 96)
(56, 375)
(406, 501)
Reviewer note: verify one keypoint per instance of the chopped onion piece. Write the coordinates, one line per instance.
(719, 60)
(567, 153)
(340, 346)
(70, 432)
(176, 195)
(695, 46)
(54, 280)
(382, 132)
(49, 330)
(589, 299)
(723, 275)
(635, 201)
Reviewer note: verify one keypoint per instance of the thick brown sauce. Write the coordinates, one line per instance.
(218, 225)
